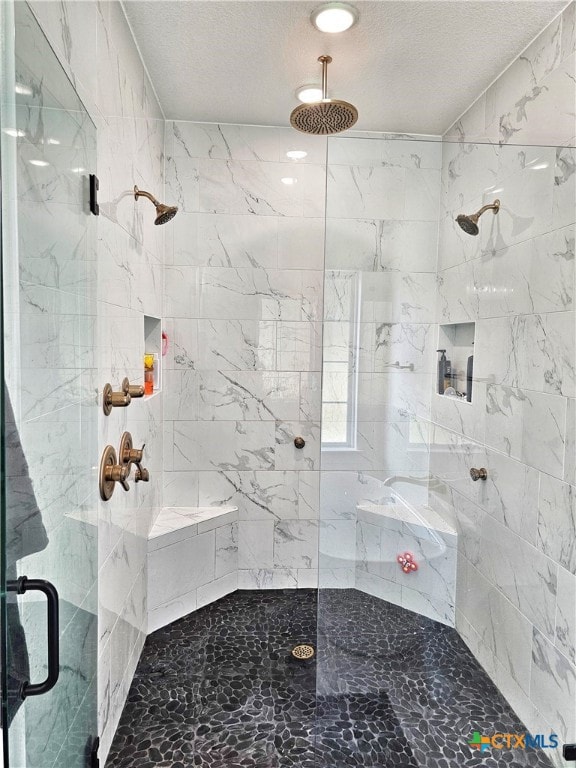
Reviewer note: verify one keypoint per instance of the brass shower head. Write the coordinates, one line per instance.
(163, 212)
(327, 116)
(470, 223)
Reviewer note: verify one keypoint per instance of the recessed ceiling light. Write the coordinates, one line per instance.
(289, 180)
(309, 94)
(296, 154)
(39, 163)
(334, 17)
(52, 141)
(15, 133)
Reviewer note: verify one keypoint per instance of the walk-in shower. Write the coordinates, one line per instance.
(347, 553)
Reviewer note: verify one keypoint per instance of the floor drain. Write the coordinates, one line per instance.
(303, 651)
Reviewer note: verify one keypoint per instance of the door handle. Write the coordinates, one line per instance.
(21, 586)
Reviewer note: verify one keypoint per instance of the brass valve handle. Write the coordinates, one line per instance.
(478, 474)
(111, 399)
(141, 474)
(299, 442)
(111, 473)
(128, 454)
(134, 390)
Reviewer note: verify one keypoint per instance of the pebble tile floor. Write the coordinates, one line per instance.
(387, 688)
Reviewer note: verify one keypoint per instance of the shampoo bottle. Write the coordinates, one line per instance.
(442, 371)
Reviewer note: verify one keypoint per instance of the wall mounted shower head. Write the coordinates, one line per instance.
(470, 223)
(327, 116)
(163, 212)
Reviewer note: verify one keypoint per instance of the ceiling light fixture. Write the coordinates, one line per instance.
(296, 154)
(39, 163)
(289, 181)
(23, 90)
(334, 17)
(309, 94)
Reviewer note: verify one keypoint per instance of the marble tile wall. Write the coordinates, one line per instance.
(243, 306)
(95, 46)
(516, 601)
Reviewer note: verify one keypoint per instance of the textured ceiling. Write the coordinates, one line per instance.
(408, 65)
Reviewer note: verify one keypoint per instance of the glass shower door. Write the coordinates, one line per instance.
(447, 563)
(49, 444)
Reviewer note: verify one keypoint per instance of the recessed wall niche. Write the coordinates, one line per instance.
(455, 361)
(153, 346)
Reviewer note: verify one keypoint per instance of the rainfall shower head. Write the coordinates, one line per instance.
(326, 116)
(470, 223)
(163, 212)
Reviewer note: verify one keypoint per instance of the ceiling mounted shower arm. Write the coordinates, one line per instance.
(325, 60)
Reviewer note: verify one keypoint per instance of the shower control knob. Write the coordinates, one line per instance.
(478, 474)
(134, 390)
(299, 442)
(142, 475)
(111, 399)
(111, 473)
(128, 454)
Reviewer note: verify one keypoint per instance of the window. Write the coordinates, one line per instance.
(340, 359)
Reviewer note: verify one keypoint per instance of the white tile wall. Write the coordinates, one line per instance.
(516, 605)
(244, 285)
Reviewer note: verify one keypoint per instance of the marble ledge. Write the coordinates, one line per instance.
(423, 516)
(175, 524)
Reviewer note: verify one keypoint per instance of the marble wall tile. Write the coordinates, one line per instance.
(268, 578)
(255, 545)
(296, 544)
(529, 426)
(357, 192)
(178, 568)
(566, 615)
(553, 685)
(257, 188)
(226, 445)
(381, 245)
(556, 534)
(226, 550)
(259, 495)
(249, 395)
(236, 345)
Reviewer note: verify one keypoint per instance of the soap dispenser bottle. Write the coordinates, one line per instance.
(469, 375)
(441, 371)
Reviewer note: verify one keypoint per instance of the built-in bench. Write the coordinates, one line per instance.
(425, 580)
(192, 561)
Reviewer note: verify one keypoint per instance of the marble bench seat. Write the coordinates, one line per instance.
(394, 528)
(192, 561)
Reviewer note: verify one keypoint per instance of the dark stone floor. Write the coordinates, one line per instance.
(388, 688)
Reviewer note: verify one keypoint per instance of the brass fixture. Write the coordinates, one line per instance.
(163, 212)
(299, 442)
(142, 475)
(326, 116)
(303, 651)
(130, 455)
(470, 223)
(478, 474)
(134, 390)
(111, 473)
(111, 399)
(127, 453)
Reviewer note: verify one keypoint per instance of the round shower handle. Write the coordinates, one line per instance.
(299, 442)
(478, 474)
